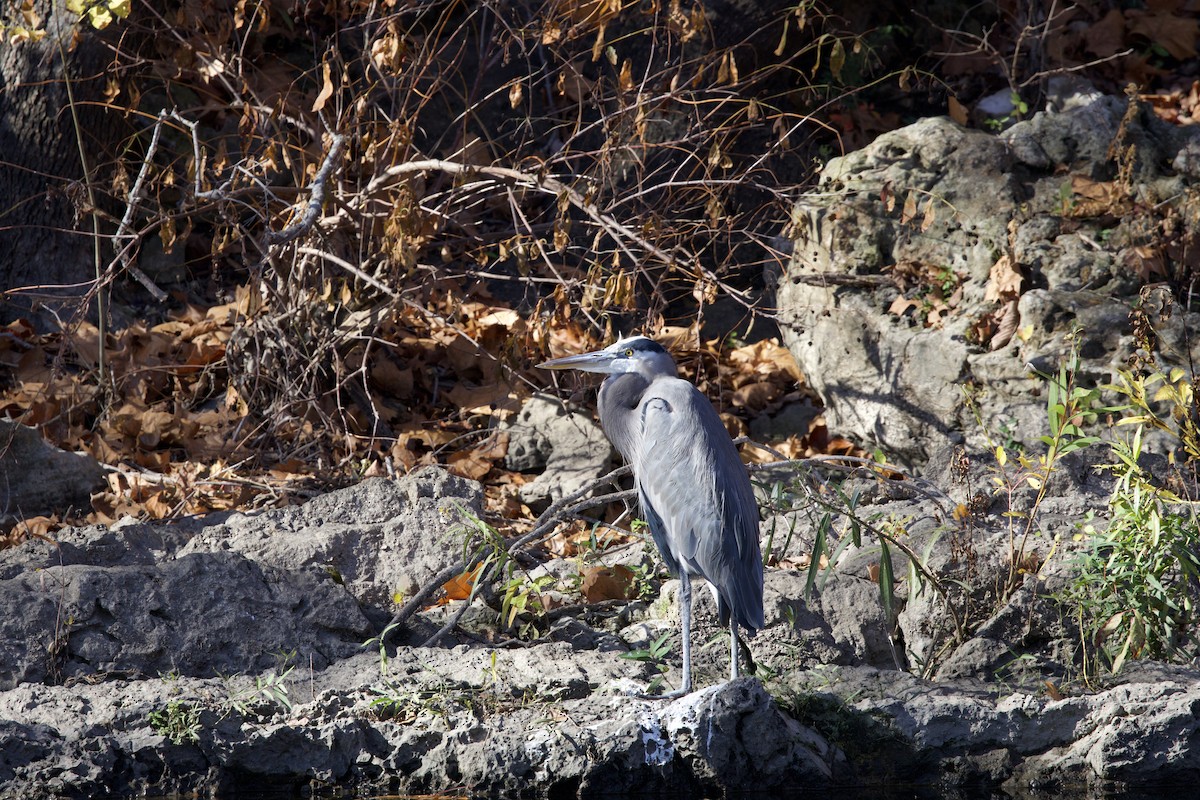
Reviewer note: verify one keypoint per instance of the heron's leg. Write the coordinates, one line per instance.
(734, 650)
(685, 622)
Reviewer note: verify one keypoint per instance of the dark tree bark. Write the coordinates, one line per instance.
(43, 240)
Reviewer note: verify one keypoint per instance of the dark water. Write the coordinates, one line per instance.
(894, 792)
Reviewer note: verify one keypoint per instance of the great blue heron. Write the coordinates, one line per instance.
(694, 490)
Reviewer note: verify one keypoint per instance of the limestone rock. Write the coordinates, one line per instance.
(936, 213)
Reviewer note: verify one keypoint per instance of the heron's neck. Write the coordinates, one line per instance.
(620, 395)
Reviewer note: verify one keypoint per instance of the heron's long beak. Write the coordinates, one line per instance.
(596, 361)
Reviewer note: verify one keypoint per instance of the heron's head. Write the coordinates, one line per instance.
(631, 354)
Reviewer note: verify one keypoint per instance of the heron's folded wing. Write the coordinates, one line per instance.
(697, 496)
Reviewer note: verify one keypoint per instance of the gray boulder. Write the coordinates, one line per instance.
(381, 539)
(567, 449)
(38, 478)
(200, 615)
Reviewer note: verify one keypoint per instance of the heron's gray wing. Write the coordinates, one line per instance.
(697, 497)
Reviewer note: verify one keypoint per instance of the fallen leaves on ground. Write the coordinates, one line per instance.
(181, 438)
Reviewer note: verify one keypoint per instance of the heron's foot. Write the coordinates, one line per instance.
(675, 694)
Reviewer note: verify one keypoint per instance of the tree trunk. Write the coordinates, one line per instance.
(44, 242)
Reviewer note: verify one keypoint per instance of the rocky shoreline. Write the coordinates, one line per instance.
(203, 656)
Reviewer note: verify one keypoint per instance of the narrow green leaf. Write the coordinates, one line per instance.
(818, 549)
(886, 584)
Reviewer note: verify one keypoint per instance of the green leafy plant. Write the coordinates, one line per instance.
(1135, 593)
(1020, 110)
(520, 593)
(1069, 408)
(270, 687)
(643, 582)
(398, 703)
(273, 687)
(778, 504)
(179, 722)
(394, 701)
(655, 654)
(1162, 401)
(523, 595)
(834, 516)
(380, 642)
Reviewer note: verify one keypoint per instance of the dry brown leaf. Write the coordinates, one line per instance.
(958, 112)
(459, 587)
(571, 539)
(766, 357)
(155, 461)
(387, 52)
(736, 426)
(887, 197)
(1004, 281)
(910, 209)
(85, 341)
(39, 526)
(393, 380)
(935, 311)
(95, 445)
(625, 78)
(326, 88)
(1096, 198)
(1177, 34)
(476, 462)
(902, 305)
(467, 464)
(286, 470)
(802, 562)
(1006, 322)
(1106, 37)
(198, 356)
(573, 85)
(492, 398)
(1147, 262)
(598, 44)
(929, 216)
(587, 12)
(468, 360)
(504, 318)
(156, 427)
(159, 505)
(607, 583)
(1096, 191)
(504, 499)
(755, 396)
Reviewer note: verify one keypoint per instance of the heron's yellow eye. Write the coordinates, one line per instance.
(629, 352)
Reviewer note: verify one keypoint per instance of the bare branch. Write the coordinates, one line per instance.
(316, 199)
